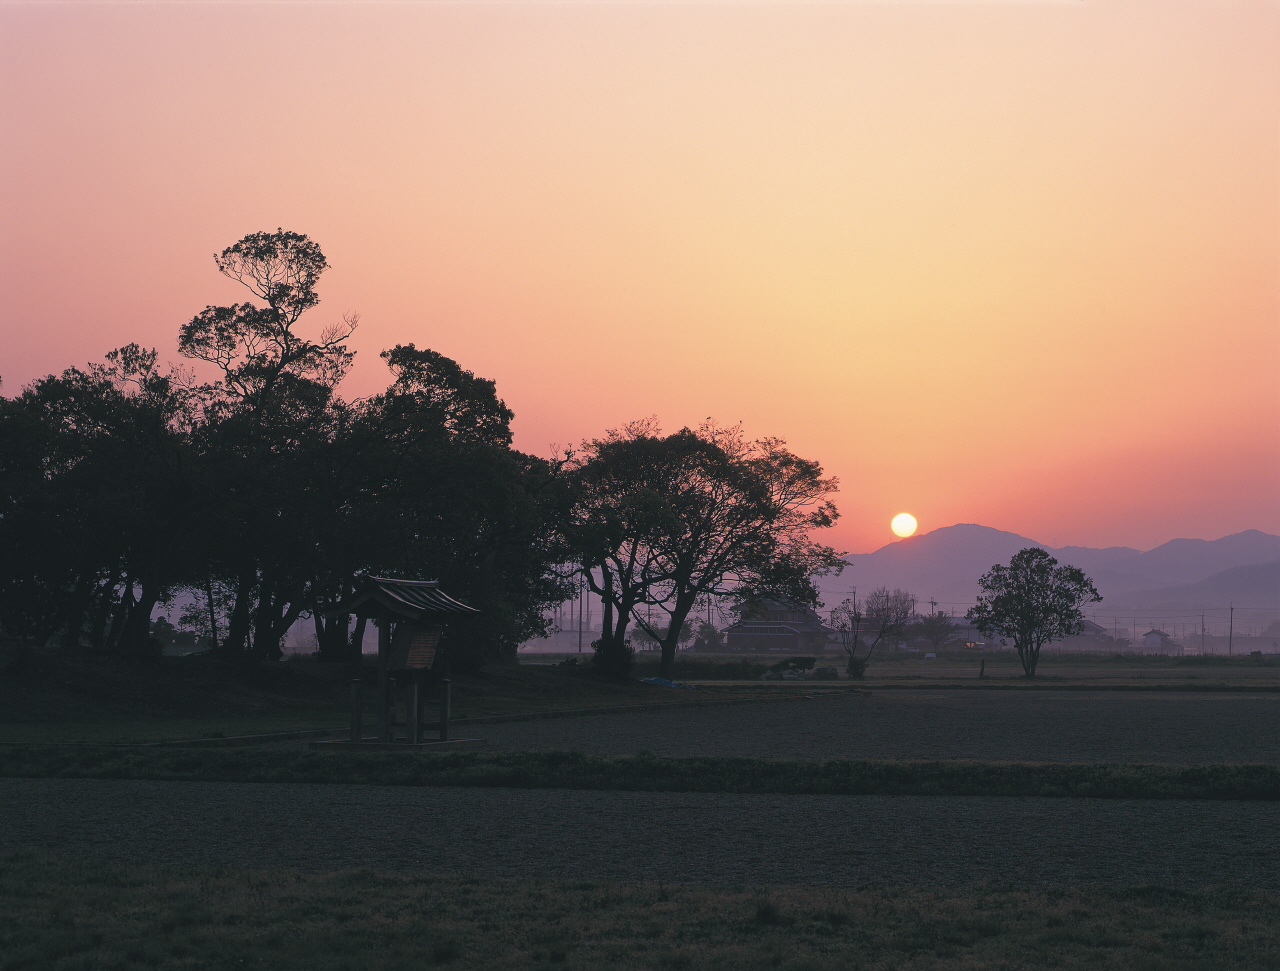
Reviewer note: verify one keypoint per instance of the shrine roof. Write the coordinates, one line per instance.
(408, 599)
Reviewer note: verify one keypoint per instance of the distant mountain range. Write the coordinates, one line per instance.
(945, 565)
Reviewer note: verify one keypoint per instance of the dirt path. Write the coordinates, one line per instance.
(730, 839)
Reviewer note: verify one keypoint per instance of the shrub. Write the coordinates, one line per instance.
(613, 660)
(794, 664)
(686, 669)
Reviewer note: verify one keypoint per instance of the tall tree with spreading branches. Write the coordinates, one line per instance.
(1032, 601)
(666, 521)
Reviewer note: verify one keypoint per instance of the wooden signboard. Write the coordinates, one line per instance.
(414, 647)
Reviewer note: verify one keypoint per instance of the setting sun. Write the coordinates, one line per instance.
(904, 524)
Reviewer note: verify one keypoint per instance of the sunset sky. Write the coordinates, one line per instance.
(1013, 263)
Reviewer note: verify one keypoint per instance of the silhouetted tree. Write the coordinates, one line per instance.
(97, 485)
(882, 615)
(708, 637)
(266, 433)
(1032, 601)
(936, 628)
(664, 521)
(432, 489)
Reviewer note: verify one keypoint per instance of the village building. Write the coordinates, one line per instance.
(1158, 642)
(777, 627)
(1092, 639)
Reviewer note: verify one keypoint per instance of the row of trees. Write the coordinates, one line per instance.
(261, 492)
(257, 495)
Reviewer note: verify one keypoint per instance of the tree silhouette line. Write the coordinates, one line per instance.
(257, 496)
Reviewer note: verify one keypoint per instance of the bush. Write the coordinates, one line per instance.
(612, 660)
(856, 667)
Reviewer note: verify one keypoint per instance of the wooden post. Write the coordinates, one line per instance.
(413, 731)
(356, 729)
(444, 709)
(384, 683)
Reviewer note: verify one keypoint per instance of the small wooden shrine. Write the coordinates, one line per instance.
(410, 615)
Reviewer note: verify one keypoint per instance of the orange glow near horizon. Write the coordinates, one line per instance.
(1015, 264)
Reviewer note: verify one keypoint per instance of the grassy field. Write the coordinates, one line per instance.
(66, 914)
(1000, 670)
(86, 701)
(83, 701)
(645, 772)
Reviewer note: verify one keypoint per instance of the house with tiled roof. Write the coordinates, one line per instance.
(774, 627)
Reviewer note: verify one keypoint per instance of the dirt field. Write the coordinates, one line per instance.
(846, 841)
(1030, 726)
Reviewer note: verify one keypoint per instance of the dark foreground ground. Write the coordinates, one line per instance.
(750, 840)
(1021, 726)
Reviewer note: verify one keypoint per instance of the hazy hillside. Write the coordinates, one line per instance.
(1182, 561)
(945, 564)
(1257, 585)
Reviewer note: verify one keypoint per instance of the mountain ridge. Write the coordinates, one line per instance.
(944, 564)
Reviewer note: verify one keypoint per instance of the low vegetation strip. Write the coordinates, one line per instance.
(63, 912)
(646, 772)
(1042, 683)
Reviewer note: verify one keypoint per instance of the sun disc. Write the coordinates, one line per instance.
(904, 524)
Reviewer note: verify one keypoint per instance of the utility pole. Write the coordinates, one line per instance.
(1231, 627)
(582, 595)
(1202, 633)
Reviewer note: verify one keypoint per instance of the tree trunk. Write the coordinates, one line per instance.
(333, 636)
(277, 609)
(671, 643)
(213, 615)
(137, 632)
(98, 626)
(119, 616)
(73, 618)
(611, 655)
(286, 619)
(357, 648)
(1029, 655)
(265, 648)
(238, 624)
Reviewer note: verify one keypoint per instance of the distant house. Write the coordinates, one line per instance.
(1093, 638)
(1158, 642)
(778, 627)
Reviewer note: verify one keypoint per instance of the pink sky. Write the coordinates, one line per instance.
(1012, 263)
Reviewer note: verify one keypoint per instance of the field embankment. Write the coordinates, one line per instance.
(649, 773)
